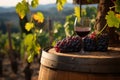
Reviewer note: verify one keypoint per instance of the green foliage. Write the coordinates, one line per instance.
(69, 25)
(77, 12)
(34, 3)
(3, 38)
(43, 39)
(32, 47)
(60, 4)
(113, 17)
(22, 8)
(30, 43)
(16, 38)
(22, 49)
(91, 12)
(117, 8)
(112, 20)
(30, 57)
(29, 26)
(58, 32)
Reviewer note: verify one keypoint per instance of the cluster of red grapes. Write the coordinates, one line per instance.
(92, 42)
(96, 43)
(69, 44)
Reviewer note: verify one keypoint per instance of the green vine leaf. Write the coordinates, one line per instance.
(60, 4)
(34, 3)
(22, 8)
(112, 20)
(29, 39)
(29, 26)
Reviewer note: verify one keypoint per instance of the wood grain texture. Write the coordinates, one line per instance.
(52, 74)
(77, 66)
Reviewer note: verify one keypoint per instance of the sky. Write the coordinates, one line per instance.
(11, 3)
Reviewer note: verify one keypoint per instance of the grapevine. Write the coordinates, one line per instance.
(30, 42)
(112, 17)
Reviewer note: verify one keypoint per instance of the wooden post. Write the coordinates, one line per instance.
(14, 63)
(10, 50)
(9, 36)
(50, 30)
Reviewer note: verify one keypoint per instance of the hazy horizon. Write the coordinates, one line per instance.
(12, 3)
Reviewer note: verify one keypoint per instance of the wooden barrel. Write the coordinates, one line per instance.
(76, 66)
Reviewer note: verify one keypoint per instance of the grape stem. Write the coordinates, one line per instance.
(102, 29)
(112, 7)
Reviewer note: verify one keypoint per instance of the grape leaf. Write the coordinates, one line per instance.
(29, 26)
(38, 17)
(34, 3)
(28, 39)
(22, 8)
(112, 20)
(60, 4)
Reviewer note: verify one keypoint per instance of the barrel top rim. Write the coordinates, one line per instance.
(111, 53)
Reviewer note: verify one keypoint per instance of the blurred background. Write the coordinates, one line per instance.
(55, 27)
